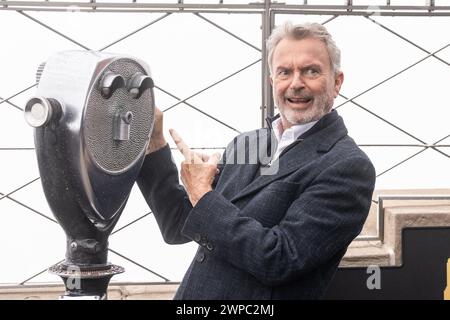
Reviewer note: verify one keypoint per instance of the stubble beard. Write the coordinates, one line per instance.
(321, 106)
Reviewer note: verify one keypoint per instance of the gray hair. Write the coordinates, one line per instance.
(303, 31)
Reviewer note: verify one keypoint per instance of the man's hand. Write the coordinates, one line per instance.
(157, 140)
(197, 170)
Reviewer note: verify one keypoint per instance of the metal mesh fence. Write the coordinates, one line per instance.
(209, 63)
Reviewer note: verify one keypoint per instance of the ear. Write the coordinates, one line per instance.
(271, 80)
(338, 80)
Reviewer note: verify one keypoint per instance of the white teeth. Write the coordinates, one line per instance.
(298, 100)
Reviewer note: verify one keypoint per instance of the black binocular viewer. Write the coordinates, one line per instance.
(93, 115)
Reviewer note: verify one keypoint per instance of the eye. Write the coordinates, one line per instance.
(282, 73)
(311, 72)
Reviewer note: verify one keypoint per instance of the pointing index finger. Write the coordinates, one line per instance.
(181, 145)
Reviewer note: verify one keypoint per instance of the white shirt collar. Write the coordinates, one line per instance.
(292, 133)
(288, 136)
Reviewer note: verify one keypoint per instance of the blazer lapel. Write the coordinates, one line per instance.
(245, 155)
(310, 145)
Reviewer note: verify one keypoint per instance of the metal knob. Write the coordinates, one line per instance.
(122, 122)
(109, 83)
(40, 111)
(138, 83)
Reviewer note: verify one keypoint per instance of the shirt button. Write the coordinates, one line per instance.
(209, 246)
(197, 237)
(200, 257)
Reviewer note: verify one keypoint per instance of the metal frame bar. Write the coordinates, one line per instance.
(22, 283)
(227, 31)
(132, 222)
(31, 209)
(405, 145)
(267, 21)
(348, 9)
(10, 103)
(136, 31)
(139, 265)
(19, 188)
(423, 143)
(406, 39)
(16, 149)
(425, 147)
(183, 101)
(8, 196)
(16, 94)
(207, 88)
(54, 30)
(394, 75)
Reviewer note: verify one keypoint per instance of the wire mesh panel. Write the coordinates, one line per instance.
(393, 98)
(209, 69)
(199, 85)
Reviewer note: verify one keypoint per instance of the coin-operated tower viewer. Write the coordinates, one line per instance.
(93, 116)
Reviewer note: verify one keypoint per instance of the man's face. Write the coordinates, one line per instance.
(304, 85)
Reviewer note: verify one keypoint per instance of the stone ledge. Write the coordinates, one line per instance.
(370, 227)
(116, 291)
(398, 214)
(365, 253)
(399, 218)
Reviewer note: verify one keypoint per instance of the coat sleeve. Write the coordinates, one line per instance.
(159, 183)
(320, 223)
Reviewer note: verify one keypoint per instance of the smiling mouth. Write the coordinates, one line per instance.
(299, 100)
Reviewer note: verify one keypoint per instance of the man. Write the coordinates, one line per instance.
(269, 236)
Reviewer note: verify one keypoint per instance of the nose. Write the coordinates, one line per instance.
(297, 81)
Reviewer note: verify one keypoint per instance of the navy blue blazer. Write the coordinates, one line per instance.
(277, 236)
